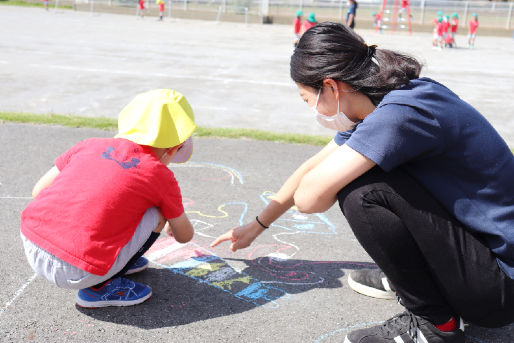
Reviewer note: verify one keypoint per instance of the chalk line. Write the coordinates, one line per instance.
(165, 75)
(18, 293)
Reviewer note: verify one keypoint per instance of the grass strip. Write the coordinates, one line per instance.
(32, 4)
(111, 124)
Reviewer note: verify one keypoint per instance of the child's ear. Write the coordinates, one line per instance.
(171, 151)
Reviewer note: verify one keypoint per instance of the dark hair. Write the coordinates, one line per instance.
(334, 51)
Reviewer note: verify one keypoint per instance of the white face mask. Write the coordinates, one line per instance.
(339, 121)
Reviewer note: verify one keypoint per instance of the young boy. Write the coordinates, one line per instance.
(297, 25)
(106, 200)
(161, 9)
(473, 26)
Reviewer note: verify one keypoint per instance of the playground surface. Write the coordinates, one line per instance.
(289, 286)
(234, 75)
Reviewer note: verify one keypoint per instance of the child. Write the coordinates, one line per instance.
(377, 22)
(445, 26)
(437, 40)
(310, 22)
(141, 8)
(104, 203)
(473, 25)
(297, 25)
(161, 9)
(454, 25)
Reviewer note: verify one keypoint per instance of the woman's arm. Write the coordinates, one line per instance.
(318, 189)
(243, 236)
(45, 181)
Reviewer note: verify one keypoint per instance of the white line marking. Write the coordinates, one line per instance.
(18, 293)
(167, 75)
(15, 197)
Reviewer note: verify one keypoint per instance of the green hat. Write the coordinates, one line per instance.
(455, 15)
(474, 15)
(373, 13)
(440, 13)
(299, 13)
(311, 18)
(447, 17)
(439, 19)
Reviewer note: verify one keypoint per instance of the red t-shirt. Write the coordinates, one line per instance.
(445, 26)
(92, 208)
(454, 25)
(307, 25)
(439, 29)
(161, 7)
(473, 25)
(297, 24)
(405, 3)
(142, 4)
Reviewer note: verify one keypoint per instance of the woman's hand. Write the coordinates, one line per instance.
(241, 236)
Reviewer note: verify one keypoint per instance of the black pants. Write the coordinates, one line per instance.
(435, 264)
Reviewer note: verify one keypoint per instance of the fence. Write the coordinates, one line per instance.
(492, 14)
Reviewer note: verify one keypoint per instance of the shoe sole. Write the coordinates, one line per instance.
(369, 291)
(136, 270)
(97, 304)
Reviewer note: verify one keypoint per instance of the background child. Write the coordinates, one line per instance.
(377, 22)
(310, 22)
(297, 25)
(104, 203)
(141, 8)
(161, 9)
(473, 26)
(454, 26)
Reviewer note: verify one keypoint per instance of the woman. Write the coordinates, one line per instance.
(423, 179)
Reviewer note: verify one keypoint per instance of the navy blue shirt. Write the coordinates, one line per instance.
(352, 10)
(452, 150)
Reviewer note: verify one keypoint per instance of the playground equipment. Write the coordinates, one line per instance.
(395, 19)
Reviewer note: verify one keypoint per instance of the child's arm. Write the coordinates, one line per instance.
(180, 228)
(45, 181)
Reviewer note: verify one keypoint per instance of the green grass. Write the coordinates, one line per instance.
(111, 124)
(32, 4)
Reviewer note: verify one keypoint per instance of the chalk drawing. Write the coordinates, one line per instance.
(17, 294)
(232, 173)
(193, 261)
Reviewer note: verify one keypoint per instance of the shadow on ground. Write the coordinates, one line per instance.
(207, 287)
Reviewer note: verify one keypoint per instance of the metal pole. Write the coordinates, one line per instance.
(219, 14)
(169, 8)
(246, 15)
(341, 10)
(301, 4)
(224, 6)
(509, 16)
(466, 6)
(56, 4)
(422, 15)
(92, 6)
(185, 5)
(110, 3)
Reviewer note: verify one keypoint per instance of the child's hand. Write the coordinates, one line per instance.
(241, 236)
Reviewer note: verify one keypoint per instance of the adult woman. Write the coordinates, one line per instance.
(436, 214)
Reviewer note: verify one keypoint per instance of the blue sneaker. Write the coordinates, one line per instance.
(117, 292)
(139, 265)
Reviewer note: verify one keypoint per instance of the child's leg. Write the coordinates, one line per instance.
(65, 275)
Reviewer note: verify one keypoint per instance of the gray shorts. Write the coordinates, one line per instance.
(65, 275)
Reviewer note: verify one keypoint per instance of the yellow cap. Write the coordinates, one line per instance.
(161, 118)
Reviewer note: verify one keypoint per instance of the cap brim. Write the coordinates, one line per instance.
(184, 153)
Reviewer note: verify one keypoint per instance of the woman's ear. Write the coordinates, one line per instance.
(332, 87)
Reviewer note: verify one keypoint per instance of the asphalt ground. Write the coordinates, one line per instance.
(234, 75)
(289, 286)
